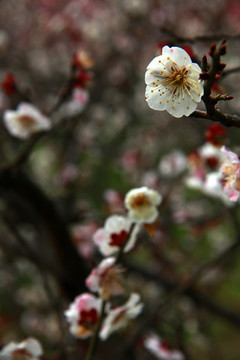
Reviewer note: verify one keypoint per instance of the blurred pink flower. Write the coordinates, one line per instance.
(29, 349)
(161, 349)
(81, 236)
(83, 315)
(114, 201)
(25, 121)
(173, 164)
(120, 316)
(230, 169)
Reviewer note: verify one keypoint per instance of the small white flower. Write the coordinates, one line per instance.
(114, 234)
(173, 82)
(25, 121)
(161, 349)
(30, 349)
(119, 317)
(83, 315)
(105, 279)
(142, 204)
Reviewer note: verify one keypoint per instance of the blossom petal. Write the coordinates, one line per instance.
(178, 55)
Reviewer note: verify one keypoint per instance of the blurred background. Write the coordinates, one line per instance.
(105, 141)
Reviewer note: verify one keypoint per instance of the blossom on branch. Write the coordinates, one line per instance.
(25, 121)
(161, 349)
(142, 204)
(105, 279)
(30, 349)
(114, 235)
(83, 315)
(173, 82)
(230, 169)
(120, 316)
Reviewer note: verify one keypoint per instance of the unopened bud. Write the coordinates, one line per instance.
(221, 66)
(222, 50)
(212, 49)
(204, 64)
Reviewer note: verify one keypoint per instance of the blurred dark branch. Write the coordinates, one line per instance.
(177, 288)
(208, 37)
(195, 295)
(227, 120)
(70, 267)
(53, 299)
(230, 71)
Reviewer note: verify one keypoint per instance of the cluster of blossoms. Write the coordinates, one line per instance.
(30, 349)
(118, 234)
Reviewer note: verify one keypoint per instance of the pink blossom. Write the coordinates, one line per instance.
(161, 349)
(120, 316)
(114, 234)
(81, 235)
(230, 169)
(105, 279)
(83, 315)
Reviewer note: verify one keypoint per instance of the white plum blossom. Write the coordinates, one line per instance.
(83, 315)
(30, 349)
(120, 316)
(25, 121)
(230, 169)
(105, 279)
(114, 234)
(161, 349)
(142, 205)
(173, 82)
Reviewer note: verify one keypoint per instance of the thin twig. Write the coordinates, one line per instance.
(95, 338)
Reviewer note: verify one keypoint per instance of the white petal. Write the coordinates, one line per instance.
(156, 99)
(178, 55)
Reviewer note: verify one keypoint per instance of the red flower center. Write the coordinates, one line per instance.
(20, 354)
(164, 346)
(89, 317)
(118, 239)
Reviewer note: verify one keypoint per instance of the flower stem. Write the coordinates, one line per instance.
(120, 253)
(94, 340)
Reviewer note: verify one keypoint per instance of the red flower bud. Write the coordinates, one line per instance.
(9, 84)
(212, 49)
